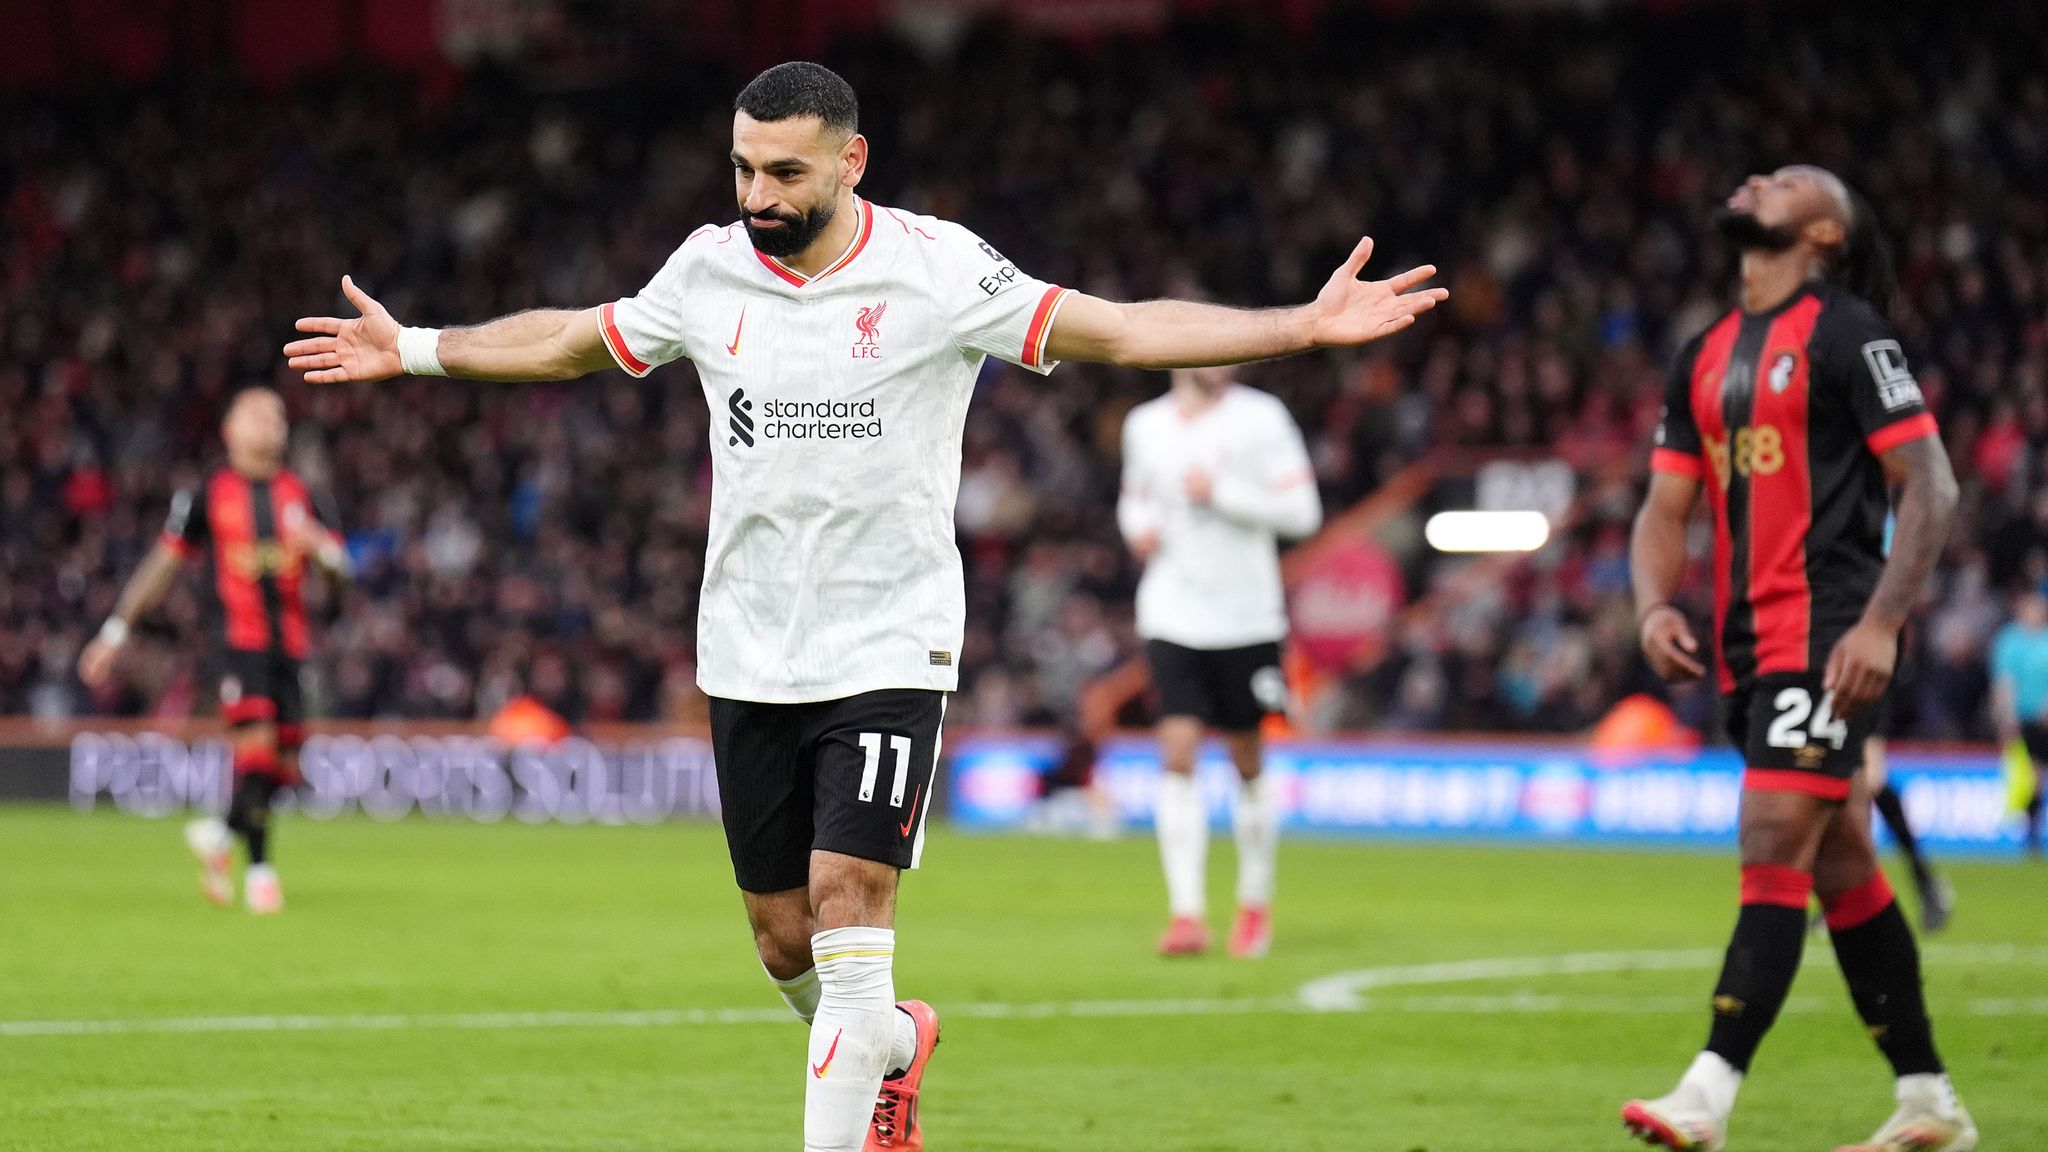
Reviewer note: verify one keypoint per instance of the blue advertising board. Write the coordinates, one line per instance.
(1507, 791)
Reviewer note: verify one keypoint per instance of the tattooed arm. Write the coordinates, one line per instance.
(1924, 487)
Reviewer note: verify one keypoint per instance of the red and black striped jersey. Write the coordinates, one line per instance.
(251, 531)
(1783, 415)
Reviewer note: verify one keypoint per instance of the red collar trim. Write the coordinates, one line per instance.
(797, 279)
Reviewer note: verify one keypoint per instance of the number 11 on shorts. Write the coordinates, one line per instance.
(871, 743)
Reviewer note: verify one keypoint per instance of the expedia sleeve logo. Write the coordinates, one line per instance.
(1005, 274)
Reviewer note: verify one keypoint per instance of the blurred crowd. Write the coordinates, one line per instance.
(546, 540)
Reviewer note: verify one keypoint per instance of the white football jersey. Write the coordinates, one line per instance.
(1215, 580)
(837, 406)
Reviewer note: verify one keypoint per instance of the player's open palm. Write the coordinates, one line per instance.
(1351, 311)
(362, 349)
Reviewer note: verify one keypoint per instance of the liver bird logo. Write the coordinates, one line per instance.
(870, 323)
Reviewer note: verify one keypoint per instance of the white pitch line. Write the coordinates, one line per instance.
(397, 1022)
(1341, 992)
(1338, 994)
(1344, 990)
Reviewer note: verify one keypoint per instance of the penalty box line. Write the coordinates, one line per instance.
(1340, 994)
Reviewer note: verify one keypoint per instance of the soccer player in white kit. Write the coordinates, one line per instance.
(838, 342)
(1214, 474)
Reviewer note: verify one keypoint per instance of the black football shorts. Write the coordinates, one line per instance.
(263, 688)
(853, 776)
(260, 687)
(1229, 689)
(1792, 741)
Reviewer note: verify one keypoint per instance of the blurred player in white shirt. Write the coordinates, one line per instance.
(837, 343)
(1214, 475)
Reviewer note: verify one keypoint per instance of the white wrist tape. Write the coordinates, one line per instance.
(114, 632)
(419, 349)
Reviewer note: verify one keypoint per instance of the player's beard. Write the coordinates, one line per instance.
(1746, 232)
(796, 233)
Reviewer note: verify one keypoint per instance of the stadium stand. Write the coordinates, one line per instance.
(546, 540)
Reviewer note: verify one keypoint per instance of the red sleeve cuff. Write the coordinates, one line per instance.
(608, 327)
(1911, 428)
(1677, 463)
(1041, 326)
(177, 544)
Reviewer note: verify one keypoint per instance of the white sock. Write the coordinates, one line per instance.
(1716, 1080)
(208, 834)
(903, 1048)
(799, 992)
(1183, 843)
(1932, 1088)
(1257, 822)
(851, 1036)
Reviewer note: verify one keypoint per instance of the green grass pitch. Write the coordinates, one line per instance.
(413, 957)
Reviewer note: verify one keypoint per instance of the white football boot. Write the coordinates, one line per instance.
(1681, 1122)
(261, 890)
(1929, 1119)
(1694, 1117)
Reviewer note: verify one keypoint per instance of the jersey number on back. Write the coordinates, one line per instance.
(871, 744)
(1794, 705)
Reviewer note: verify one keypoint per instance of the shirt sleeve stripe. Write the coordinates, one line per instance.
(1677, 463)
(1041, 326)
(608, 328)
(1892, 435)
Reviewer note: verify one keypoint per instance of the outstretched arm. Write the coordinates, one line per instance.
(543, 344)
(1185, 334)
(145, 591)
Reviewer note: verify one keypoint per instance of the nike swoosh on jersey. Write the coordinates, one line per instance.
(734, 347)
(907, 825)
(818, 1070)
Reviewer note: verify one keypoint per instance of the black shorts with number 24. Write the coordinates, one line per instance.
(853, 776)
(1792, 741)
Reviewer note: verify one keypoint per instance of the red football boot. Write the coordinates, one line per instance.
(895, 1127)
